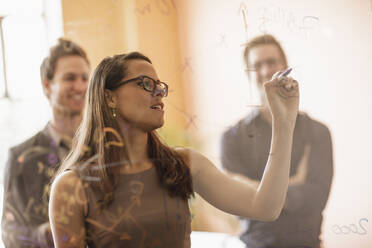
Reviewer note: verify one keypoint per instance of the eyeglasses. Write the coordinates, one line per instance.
(149, 84)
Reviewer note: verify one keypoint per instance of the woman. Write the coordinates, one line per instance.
(122, 187)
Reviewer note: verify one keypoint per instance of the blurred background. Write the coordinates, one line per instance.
(196, 47)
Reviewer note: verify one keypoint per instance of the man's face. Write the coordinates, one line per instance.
(264, 61)
(67, 89)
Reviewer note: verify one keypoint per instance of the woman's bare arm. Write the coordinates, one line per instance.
(241, 198)
(66, 211)
(237, 196)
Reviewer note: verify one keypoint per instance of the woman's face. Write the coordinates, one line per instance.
(135, 105)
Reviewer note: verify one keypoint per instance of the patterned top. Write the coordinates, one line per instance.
(142, 215)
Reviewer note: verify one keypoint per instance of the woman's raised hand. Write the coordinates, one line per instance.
(283, 97)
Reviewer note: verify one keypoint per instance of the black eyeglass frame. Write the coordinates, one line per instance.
(164, 91)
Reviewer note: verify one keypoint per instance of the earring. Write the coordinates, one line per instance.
(113, 112)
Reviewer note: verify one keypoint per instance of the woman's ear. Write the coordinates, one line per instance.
(110, 98)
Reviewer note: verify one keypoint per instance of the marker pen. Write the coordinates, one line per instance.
(285, 73)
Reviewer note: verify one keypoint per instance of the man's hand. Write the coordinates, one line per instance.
(300, 176)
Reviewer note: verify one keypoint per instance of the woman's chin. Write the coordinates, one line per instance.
(153, 126)
(159, 125)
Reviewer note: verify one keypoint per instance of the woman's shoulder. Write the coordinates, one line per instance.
(196, 161)
(181, 150)
(68, 188)
(186, 153)
(66, 181)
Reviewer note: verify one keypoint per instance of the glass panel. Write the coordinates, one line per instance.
(25, 47)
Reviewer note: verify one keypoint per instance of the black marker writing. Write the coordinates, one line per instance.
(308, 23)
(144, 10)
(351, 228)
(163, 6)
(223, 40)
(243, 10)
(186, 64)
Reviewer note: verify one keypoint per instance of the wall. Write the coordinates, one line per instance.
(111, 27)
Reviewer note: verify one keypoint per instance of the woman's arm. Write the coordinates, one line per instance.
(238, 197)
(67, 206)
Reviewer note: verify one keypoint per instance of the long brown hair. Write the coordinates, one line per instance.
(92, 156)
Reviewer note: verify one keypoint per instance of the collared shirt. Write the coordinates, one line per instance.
(61, 141)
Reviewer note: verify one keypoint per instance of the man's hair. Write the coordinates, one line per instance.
(62, 48)
(265, 39)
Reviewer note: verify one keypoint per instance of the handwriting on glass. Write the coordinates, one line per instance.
(163, 6)
(243, 9)
(351, 228)
(276, 15)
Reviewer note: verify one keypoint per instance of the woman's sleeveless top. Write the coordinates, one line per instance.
(142, 215)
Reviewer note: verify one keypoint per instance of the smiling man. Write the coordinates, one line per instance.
(31, 165)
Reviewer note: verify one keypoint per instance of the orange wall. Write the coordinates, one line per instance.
(94, 26)
(107, 27)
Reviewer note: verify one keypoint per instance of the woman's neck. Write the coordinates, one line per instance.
(135, 143)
